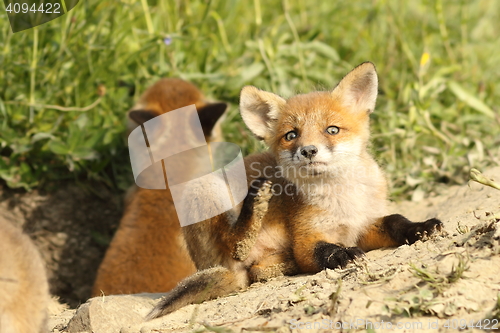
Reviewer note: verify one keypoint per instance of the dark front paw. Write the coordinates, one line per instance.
(331, 256)
(422, 230)
(403, 231)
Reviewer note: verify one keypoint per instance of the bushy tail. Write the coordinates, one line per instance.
(199, 287)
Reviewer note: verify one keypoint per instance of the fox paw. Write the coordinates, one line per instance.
(252, 212)
(423, 230)
(261, 190)
(332, 256)
(403, 231)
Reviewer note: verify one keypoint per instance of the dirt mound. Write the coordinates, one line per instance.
(449, 282)
(72, 228)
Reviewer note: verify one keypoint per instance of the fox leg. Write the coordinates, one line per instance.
(243, 233)
(202, 286)
(313, 253)
(219, 281)
(395, 230)
(277, 264)
(229, 236)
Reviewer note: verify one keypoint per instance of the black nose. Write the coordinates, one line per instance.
(309, 151)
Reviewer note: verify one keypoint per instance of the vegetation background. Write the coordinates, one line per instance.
(65, 86)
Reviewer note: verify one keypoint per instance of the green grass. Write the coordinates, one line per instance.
(434, 120)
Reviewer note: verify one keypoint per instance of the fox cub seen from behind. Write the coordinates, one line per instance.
(147, 253)
(328, 203)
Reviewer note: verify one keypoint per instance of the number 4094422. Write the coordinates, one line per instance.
(47, 8)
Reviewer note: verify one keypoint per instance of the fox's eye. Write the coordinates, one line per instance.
(332, 130)
(290, 135)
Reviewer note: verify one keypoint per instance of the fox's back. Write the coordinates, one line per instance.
(148, 252)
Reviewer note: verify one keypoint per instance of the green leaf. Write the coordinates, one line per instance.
(3, 112)
(74, 136)
(470, 99)
(58, 147)
(21, 145)
(95, 139)
(252, 71)
(84, 153)
(323, 49)
(82, 121)
(41, 136)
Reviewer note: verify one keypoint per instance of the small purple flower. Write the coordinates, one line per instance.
(167, 40)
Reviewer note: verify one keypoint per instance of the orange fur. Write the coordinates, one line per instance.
(24, 290)
(329, 202)
(375, 238)
(147, 253)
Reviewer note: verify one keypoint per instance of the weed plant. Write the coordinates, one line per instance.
(65, 86)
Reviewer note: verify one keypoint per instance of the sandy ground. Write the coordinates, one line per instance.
(448, 283)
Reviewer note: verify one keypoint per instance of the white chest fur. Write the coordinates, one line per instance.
(346, 202)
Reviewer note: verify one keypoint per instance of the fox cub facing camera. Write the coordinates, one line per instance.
(328, 200)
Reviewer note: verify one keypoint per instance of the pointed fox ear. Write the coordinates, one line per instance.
(259, 109)
(358, 89)
(209, 114)
(141, 116)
